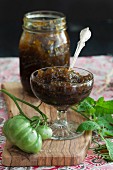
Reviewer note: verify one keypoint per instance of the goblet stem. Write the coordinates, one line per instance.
(63, 128)
(62, 117)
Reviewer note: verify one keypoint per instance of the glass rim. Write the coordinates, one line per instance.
(79, 68)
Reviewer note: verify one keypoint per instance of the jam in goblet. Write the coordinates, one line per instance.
(62, 87)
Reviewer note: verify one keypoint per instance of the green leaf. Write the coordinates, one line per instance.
(109, 145)
(101, 110)
(83, 114)
(88, 125)
(109, 118)
(100, 100)
(104, 123)
(90, 100)
(106, 132)
(87, 106)
(104, 107)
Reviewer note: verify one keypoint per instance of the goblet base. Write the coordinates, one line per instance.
(63, 130)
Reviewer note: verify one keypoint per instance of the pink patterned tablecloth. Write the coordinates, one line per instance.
(101, 67)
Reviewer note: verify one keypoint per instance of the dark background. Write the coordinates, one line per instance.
(96, 14)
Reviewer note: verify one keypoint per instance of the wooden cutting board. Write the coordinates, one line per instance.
(54, 152)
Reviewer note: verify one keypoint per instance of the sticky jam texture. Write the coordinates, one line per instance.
(61, 86)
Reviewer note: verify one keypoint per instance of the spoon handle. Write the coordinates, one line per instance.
(80, 45)
(85, 34)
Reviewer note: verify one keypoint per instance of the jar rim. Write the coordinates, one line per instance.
(44, 21)
(38, 15)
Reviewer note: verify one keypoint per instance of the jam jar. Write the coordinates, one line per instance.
(44, 42)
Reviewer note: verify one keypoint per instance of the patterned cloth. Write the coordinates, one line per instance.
(101, 67)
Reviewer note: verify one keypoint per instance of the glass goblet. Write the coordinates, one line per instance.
(62, 87)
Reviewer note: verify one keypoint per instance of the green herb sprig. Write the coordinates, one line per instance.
(99, 118)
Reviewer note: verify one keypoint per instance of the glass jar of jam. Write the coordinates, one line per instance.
(43, 43)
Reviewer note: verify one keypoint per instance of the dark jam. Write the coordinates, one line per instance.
(42, 50)
(61, 86)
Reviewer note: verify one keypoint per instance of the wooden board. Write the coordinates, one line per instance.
(54, 152)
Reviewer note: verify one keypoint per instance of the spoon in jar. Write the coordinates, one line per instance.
(85, 34)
